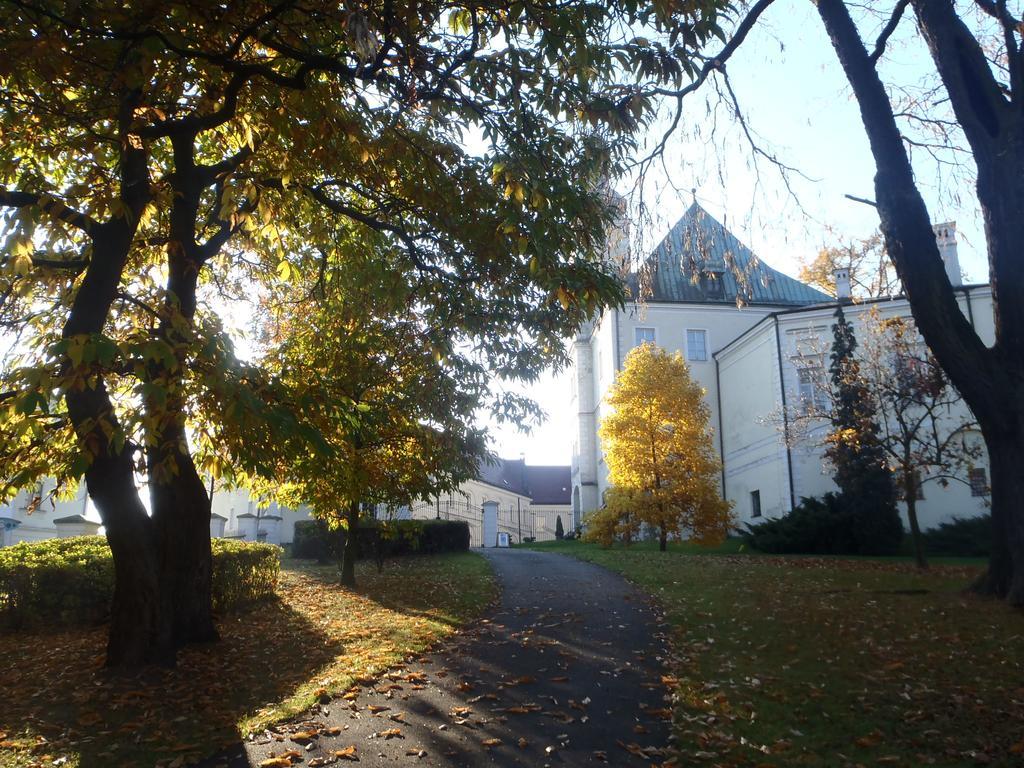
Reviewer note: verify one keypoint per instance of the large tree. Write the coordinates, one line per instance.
(161, 159)
(658, 446)
(970, 104)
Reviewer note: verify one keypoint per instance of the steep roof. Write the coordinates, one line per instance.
(701, 261)
(544, 485)
(549, 485)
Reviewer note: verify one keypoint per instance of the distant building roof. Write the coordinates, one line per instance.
(543, 485)
(549, 485)
(74, 519)
(701, 261)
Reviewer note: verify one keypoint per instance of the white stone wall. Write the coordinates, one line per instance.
(38, 524)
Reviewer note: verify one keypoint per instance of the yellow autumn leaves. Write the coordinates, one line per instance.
(661, 464)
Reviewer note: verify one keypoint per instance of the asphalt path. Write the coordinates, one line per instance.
(565, 671)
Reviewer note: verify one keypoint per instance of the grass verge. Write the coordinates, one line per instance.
(272, 662)
(810, 661)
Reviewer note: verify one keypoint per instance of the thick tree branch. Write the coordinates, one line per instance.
(886, 33)
(51, 206)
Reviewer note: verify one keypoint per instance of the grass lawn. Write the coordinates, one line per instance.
(272, 662)
(784, 661)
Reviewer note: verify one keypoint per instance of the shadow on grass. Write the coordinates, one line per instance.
(59, 701)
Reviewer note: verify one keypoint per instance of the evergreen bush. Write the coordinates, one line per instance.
(830, 525)
(961, 537)
(60, 582)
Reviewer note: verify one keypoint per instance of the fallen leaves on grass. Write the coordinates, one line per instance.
(796, 661)
(272, 662)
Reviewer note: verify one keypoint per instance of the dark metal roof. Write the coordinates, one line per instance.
(700, 261)
(74, 519)
(544, 485)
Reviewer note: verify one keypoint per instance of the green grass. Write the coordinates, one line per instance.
(829, 661)
(271, 663)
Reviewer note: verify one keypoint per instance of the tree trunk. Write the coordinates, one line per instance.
(1005, 575)
(910, 486)
(663, 540)
(181, 516)
(140, 630)
(348, 561)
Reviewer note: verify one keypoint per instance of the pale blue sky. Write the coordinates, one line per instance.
(797, 100)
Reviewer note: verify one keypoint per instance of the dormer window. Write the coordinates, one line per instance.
(712, 284)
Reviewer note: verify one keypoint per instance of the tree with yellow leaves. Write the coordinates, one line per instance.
(657, 443)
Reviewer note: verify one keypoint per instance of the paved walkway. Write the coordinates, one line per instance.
(566, 671)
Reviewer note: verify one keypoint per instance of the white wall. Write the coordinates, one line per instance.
(755, 458)
(38, 524)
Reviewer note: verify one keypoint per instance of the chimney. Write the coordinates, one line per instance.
(945, 238)
(843, 289)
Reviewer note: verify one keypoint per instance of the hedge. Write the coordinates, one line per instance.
(71, 581)
(313, 539)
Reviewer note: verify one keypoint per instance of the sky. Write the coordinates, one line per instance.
(798, 103)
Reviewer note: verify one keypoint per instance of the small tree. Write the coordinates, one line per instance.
(855, 449)
(927, 433)
(392, 414)
(559, 530)
(617, 519)
(659, 451)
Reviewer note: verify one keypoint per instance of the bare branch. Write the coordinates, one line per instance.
(890, 27)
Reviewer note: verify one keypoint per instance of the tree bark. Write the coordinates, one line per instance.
(181, 517)
(910, 486)
(348, 560)
(181, 505)
(663, 540)
(140, 632)
(1005, 575)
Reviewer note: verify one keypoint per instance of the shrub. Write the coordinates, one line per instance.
(311, 541)
(961, 537)
(826, 526)
(394, 538)
(71, 581)
(559, 530)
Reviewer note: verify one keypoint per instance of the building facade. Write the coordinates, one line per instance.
(742, 328)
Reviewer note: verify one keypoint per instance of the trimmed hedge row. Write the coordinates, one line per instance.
(71, 581)
(314, 540)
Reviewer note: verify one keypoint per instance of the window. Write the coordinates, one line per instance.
(755, 503)
(644, 336)
(979, 482)
(812, 394)
(902, 494)
(711, 282)
(696, 345)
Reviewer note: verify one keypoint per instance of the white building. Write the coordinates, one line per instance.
(740, 325)
(525, 500)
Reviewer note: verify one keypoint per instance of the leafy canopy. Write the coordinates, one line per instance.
(164, 162)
